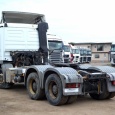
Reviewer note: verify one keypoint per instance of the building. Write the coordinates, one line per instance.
(100, 51)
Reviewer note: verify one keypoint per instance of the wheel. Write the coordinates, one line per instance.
(33, 87)
(111, 95)
(103, 95)
(71, 99)
(6, 85)
(54, 90)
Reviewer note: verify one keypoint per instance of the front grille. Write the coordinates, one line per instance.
(114, 60)
(84, 58)
(80, 59)
(89, 59)
(56, 57)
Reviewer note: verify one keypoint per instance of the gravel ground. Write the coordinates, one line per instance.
(17, 102)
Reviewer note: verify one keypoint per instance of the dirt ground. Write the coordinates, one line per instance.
(17, 102)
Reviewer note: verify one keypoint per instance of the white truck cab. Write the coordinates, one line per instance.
(67, 53)
(55, 45)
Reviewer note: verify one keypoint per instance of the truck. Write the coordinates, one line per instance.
(24, 58)
(112, 55)
(55, 49)
(88, 55)
(68, 55)
(79, 54)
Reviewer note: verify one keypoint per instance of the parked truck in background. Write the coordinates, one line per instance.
(24, 57)
(68, 55)
(89, 55)
(112, 55)
(55, 49)
(81, 54)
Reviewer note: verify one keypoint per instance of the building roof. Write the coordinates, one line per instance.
(85, 43)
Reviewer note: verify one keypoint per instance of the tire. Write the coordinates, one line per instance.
(33, 87)
(103, 95)
(111, 95)
(6, 85)
(54, 90)
(71, 99)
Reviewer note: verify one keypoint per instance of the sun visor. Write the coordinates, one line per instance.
(22, 17)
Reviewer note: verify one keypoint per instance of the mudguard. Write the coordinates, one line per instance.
(40, 69)
(110, 72)
(66, 74)
(84, 66)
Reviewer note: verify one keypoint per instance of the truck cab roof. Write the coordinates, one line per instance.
(21, 17)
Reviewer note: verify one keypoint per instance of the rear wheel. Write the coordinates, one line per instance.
(71, 99)
(111, 95)
(54, 90)
(103, 95)
(33, 87)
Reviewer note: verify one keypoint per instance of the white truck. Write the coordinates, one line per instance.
(68, 55)
(24, 59)
(78, 54)
(56, 52)
(112, 55)
(81, 55)
(89, 55)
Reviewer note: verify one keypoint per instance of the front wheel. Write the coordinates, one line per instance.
(54, 90)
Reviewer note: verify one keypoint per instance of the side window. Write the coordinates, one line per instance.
(99, 47)
(96, 55)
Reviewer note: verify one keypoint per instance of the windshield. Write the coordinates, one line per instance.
(75, 51)
(85, 51)
(89, 52)
(55, 45)
(113, 48)
(66, 48)
(81, 51)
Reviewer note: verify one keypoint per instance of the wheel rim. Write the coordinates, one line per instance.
(32, 86)
(53, 89)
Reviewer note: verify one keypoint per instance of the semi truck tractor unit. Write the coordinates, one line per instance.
(55, 49)
(81, 55)
(112, 55)
(78, 54)
(24, 54)
(68, 55)
(89, 55)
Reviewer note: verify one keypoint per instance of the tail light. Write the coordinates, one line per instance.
(72, 85)
(113, 82)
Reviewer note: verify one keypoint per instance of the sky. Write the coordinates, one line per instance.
(72, 20)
